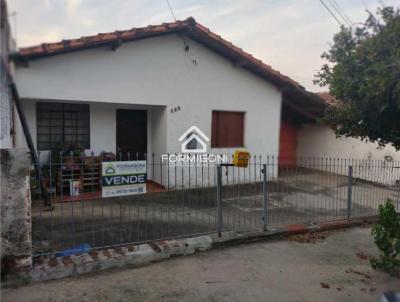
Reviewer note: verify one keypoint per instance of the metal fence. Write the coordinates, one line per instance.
(202, 198)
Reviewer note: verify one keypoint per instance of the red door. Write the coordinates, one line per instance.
(287, 144)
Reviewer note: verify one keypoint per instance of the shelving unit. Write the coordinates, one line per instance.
(91, 174)
(86, 170)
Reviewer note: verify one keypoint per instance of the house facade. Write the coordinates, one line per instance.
(134, 93)
(138, 91)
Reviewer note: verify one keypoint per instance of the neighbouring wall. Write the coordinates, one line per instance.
(16, 243)
(316, 140)
(371, 163)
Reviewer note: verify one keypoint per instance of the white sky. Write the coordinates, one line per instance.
(289, 35)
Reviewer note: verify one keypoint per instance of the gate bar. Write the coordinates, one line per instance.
(349, 191)
(220, 223)
(265, 197)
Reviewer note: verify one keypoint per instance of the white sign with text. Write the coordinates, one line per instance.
(121, 178)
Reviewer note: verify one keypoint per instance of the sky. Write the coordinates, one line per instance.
(289, 35)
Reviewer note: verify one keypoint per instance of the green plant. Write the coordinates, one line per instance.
(362, 71)
(387, 238)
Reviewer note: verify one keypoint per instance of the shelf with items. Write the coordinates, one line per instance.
(86, 170)
(91, 173)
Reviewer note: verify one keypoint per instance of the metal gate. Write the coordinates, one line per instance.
(203, 199)
(267, 194)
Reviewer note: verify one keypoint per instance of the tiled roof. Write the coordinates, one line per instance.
(190, 28)
(327, 97)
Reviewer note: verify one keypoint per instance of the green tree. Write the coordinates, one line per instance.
(362, 71)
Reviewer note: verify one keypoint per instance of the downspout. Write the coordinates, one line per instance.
(27, 134)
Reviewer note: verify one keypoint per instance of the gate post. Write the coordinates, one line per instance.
(349, 191)
(220, 222)
(265, 197)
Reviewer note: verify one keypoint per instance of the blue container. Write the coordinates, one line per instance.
(79, 249)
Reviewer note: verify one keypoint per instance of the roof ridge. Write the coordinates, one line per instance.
(198, 31)
(54, 46)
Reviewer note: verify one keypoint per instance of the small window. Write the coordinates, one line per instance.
(61, 124)
(227, 129)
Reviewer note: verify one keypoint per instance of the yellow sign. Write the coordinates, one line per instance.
(241, 158)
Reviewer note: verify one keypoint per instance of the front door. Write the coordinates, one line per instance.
(131, 134)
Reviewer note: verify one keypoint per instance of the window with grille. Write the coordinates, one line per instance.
(62, 125)
(227, 129)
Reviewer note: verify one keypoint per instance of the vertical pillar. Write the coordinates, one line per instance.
(16, 242)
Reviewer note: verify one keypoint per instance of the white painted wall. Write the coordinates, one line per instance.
(320, 140)
(102, 126)
(157, 71)
(316, 140)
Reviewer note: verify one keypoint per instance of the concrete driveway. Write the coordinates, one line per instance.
(296, 197)
(332, 270)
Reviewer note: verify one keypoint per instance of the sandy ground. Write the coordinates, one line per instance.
(269, 271)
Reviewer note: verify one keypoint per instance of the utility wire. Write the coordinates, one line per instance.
(365, 4)
(330, 12)
(171, 10)
(341, 13)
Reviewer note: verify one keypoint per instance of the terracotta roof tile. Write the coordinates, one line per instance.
(327, 97)
(190, 26)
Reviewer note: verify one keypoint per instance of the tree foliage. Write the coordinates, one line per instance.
(362, 71)
(387, 238)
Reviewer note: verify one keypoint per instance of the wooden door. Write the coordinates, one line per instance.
(131, 134)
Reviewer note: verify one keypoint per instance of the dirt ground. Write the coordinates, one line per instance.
(334, 267)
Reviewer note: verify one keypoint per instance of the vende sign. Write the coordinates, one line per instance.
(121, 178)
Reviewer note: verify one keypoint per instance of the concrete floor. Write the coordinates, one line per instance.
(301, 197)
(268, 271)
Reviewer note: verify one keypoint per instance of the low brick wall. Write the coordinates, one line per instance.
(127, 256)
(130, 256)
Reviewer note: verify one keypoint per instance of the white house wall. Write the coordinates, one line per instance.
(102, 126)
(158, 71)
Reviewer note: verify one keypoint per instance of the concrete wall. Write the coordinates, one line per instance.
(6, 103)
(158, 71)
(316, 140)
(370, 162)
(15, 209)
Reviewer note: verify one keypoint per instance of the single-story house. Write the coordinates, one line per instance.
(137, 91)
